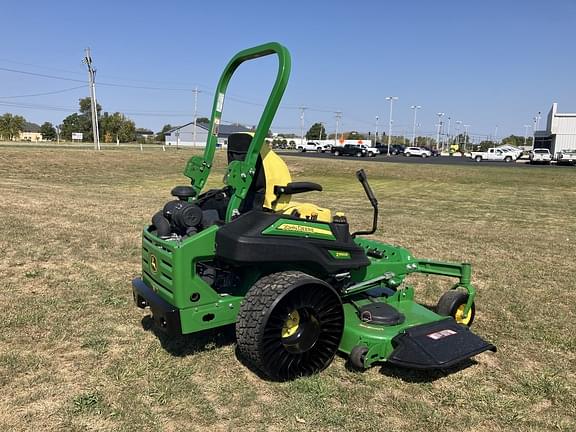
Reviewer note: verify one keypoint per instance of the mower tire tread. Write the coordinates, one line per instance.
(260, 296)
(254, 314)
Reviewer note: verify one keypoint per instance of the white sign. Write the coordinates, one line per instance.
(77, 136)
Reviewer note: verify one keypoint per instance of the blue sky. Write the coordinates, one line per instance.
(485, 63)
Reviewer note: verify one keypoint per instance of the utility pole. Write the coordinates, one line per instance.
(92, 83)
(536, 127)
(495, 134)
(415, 108)
(466, 138)
(376, 132)
(195, 91)
(302, 109)
(338, 115)
(458, 124)
(391, 99)
(448, 132)
(58, 134)
(440, 115)
(526, 127)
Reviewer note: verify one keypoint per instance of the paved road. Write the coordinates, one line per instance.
(440, 160)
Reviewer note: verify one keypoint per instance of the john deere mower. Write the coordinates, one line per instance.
(297, 284)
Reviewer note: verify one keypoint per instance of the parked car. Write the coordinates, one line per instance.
(313, 146)
(350, 150)
(566, 157)
(395, 149)
(433, 152)
(515, 151)
(540, 156)
(417, 151)
(371, 151)
(493, 154)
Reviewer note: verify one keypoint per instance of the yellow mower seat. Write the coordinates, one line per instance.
(277, 174)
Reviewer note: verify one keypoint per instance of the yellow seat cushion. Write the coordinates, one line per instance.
(277, 174)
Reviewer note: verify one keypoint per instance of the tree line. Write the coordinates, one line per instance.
(113, 127)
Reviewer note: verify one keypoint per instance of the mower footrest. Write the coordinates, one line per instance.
(436, 345)
(165, 315)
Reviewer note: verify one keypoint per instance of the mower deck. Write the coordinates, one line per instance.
(422, 340)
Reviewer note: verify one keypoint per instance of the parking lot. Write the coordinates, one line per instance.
(440, 160)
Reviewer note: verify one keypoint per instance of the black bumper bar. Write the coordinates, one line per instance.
(166, 316)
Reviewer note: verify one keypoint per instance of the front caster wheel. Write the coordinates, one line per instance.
(452, 303)
(357, 357)
(290, 325)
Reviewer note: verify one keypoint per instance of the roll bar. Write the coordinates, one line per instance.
(240, 173)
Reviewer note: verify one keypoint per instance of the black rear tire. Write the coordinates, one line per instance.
(290, 325)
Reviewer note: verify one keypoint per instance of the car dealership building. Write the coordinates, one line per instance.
(560, 132)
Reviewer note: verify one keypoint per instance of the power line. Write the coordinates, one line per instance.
(139, 87)
(44, 94)
(40, 75)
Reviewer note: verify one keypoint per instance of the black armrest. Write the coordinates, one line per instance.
(296, 188)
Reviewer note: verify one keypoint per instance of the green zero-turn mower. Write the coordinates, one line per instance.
(296, 283)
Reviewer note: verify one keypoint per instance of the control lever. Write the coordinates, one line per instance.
(361, 176)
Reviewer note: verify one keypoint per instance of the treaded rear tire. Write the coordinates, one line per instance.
(259, 324)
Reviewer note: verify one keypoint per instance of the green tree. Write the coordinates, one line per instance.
(515, 140)
(422, 141)
(76, 123)
(354, 135)
(202, 120)
(11, 126)
(316, 131)
(82, 122)
(48, 131)
(160, 135)
(86, 107)
(485, 145)
(117, 127)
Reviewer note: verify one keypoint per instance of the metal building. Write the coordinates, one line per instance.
(184, 135)
(560, 133)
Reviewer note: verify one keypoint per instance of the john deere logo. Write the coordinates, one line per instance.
(153, 263)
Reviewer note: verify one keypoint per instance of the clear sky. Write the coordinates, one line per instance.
(485, 63)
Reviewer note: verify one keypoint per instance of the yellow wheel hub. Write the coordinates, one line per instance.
(459, 315)
(291, 324)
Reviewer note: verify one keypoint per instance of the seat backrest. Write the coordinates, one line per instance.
(238, 144)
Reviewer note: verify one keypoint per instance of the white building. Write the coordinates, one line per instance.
(184, 135)
(560, 133)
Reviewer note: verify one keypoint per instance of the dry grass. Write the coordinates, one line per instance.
(75, 354)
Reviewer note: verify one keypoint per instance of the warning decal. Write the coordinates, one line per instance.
(220, 103)
(441, 334)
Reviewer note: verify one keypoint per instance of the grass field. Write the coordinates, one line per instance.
(75, 354)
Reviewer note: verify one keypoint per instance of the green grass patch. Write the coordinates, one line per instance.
(75, 354)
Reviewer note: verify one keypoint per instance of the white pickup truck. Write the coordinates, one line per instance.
(313, 146)
(566, 157)
(493, 154)
(370, 151)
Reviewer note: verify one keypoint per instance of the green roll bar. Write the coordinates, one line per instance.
(240, 173)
